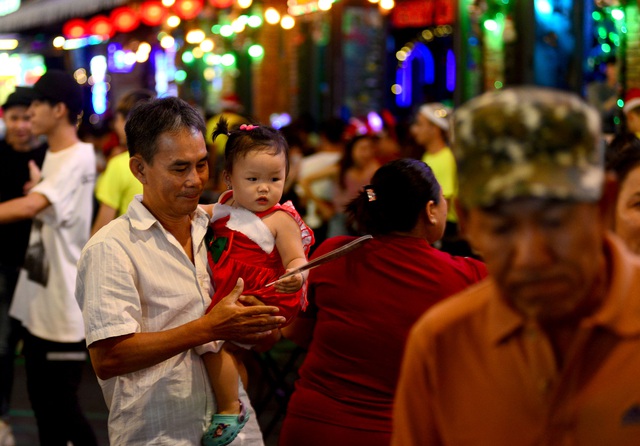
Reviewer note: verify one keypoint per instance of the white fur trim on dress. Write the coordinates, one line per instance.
(246, 222)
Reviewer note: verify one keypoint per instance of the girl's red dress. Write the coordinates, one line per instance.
(243, 246)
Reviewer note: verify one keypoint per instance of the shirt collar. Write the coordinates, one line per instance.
(141, 219)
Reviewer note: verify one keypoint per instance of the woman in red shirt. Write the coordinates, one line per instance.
(362, 306)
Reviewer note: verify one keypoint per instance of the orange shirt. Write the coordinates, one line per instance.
(474, 373)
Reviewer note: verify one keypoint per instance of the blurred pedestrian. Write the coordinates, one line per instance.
(60, 206)
(547, 349)
(20, 152)
(362, 305)
(603, 94)
(348, 175)
(430, 129)
(623, 158)
(117, 186)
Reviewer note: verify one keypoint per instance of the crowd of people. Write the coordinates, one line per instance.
(494, 303)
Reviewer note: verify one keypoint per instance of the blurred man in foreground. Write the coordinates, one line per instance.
(547, 350)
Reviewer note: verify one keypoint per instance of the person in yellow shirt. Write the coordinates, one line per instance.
(430, 130)
(117, 186)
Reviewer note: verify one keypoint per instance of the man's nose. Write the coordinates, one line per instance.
(531, 248)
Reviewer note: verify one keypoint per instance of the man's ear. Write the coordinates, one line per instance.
(607, 204)
(137, 166)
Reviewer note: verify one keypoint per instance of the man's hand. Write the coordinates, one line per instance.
(230, 320)
(34, 177)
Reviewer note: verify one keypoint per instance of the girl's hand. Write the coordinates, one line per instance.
(290, 284)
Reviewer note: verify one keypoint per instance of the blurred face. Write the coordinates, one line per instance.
(18, 126)
(627, 218)
(42, 116)
(633, 121)
(545, 256)
(440, 211)
(423, 130)
(363, 152)
(258, 179)
(174, 181)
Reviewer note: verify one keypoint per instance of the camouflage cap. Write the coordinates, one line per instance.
(527, 142)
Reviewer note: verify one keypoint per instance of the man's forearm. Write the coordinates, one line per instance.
(130, 353)
(23, 208)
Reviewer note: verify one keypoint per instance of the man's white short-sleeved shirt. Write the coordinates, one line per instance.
(133, 277)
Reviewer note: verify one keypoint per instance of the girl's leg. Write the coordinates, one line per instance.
(222, 368)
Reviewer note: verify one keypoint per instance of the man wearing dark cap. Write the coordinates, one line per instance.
(60, 206)
(546, 350)
(18, 149)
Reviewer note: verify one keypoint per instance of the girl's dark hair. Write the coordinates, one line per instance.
(150, 119)
(623, 155)
(247, 138)
(398, 192)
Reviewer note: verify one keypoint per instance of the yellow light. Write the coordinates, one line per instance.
(141, 57)
(209, 73)
(58, 42)
(8, 44)
(144, 47)
(387, 4)
(173, 21)
(168, 3)
(207, 45)
(324, 5)
(167, 42)
(272, 16)
(244, 4)
(374, 1)
(396, 89)
(238, 26)
(197, 52)
(287, 22)
(401, 55)
(195, 36)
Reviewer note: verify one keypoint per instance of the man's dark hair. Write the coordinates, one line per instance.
(150, 119)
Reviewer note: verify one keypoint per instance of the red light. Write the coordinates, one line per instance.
(222, 4)
(152, 13)
(187, 9)
(124, 19)
(100, 26)
(74, 29)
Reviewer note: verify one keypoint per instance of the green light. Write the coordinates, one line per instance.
(498, 85)
(256, 51)
(490, 25)
(180, 76)
(254, 21)
(596, 16)
(602, 32)
(228, 59)
(616, 120)
(187, 57)
(617, 14)
(605, 48)
(620, 103)
(216, 29)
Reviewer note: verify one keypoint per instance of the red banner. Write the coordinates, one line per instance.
(421, 13)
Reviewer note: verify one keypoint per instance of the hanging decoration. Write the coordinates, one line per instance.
(74, 29)
(125, 19)
(187, 9)
(152, 13)
(100, 26)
